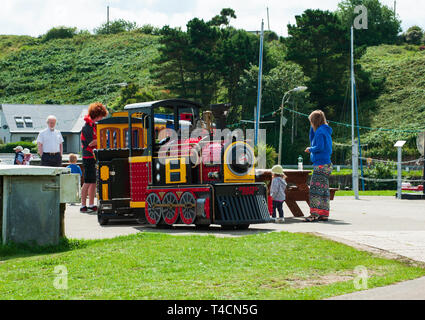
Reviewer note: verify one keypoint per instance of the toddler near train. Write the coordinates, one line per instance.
(277, 192)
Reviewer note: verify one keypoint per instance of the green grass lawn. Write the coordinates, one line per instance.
(159, 266)
(381, 193)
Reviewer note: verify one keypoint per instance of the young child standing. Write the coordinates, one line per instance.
(27, 157)
(277, 192)
(75, 168)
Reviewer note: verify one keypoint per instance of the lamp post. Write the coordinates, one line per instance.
(297, 89)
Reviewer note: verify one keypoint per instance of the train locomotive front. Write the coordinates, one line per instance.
(176, 179)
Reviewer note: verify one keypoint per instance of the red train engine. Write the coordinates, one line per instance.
(189, 177)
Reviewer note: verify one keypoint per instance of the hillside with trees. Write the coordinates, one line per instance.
(212, 62)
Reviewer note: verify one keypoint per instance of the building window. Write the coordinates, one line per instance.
(19, 122)
(28, 122)
(27, 139)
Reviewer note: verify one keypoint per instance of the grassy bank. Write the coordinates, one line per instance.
(159, 266)
(378, 193)
(73, 71)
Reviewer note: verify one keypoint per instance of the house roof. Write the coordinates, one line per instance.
(70, 117)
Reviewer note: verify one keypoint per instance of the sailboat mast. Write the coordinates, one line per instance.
(355, 159)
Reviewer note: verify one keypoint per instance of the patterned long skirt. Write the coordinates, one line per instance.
(319, 191)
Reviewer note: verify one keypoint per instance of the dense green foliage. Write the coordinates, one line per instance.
(383, 26)
(205, 62)
(8, 148)
(380, 171)
(74, 71)
(60, 33)
(414, 35)
(269, 152)
(319, 44)
(116, 26)
(400, 105)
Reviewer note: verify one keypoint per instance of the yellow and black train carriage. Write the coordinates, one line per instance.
(166, 188)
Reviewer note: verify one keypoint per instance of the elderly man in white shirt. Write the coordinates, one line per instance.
(50, 144)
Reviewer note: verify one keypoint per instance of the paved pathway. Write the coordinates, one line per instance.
(374, 223)
(409, 290)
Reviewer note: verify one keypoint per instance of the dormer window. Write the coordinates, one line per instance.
(19, 122)
(28, 122)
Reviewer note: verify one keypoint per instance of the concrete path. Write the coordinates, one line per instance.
(396, 227)
(409, 290)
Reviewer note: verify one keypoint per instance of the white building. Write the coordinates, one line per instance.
(23, 122)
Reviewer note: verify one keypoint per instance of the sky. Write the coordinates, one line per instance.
(35, 17)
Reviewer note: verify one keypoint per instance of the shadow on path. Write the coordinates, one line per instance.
(289, 221)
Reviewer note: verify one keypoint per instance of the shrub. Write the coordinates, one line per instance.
(149, 29)
(379, 171)
(414, 35)
(8, 148)
(116, 26)
(271, 154)
(60, 33)
(270, 36)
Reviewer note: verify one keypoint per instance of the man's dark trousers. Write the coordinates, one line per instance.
(51, 160)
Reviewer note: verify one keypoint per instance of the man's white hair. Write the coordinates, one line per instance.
(51, 117)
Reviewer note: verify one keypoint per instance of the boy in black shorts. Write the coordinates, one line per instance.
(97, 112)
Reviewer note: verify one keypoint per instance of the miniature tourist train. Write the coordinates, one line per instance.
(159, 187)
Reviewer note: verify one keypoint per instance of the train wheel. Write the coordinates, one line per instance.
(171, 213)
(188, 212)
(152, 212)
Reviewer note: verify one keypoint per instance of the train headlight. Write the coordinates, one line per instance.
(158, 166)
(239, 158)
(158, 177)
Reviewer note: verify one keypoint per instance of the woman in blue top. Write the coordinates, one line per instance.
(320, 154)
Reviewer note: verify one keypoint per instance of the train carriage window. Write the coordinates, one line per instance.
(110, 138)
(137, 138)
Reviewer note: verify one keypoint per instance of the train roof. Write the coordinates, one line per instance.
(118, 120)
(170, 103)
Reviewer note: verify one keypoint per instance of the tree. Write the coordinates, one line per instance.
(236, 51)
(149, 29)
(224, 18)
(414, 35)
(270, 36)
(383, 25)
(202, 60)
(284, 77)
(318, 43)
(170, 70)
(116, 26)
(60, 33)
(205, 62)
